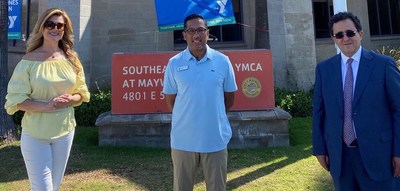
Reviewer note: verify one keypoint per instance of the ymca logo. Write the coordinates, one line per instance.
(11, 21)
(222, 5)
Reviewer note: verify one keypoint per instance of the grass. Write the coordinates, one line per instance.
(104, 168)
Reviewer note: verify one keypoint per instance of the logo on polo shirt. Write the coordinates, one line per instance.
(251, 87)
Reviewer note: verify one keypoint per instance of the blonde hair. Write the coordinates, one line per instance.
(66, 43)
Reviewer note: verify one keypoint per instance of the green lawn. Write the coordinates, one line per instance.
(97, 168)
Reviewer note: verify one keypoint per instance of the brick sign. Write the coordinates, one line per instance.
(137, 81)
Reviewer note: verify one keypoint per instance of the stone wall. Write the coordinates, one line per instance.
(292, 43)
(123, 26)
(250, 129)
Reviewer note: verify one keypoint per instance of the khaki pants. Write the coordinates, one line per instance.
(186, 165)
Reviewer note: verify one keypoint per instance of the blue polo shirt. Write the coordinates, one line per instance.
(199, 120)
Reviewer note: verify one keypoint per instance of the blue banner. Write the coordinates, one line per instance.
(171, 13)
(14, 19)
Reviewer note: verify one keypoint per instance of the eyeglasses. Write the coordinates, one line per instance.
(50, 25)
(349, 33)
(200, 31)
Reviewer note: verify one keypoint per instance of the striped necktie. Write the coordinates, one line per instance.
(348, 131)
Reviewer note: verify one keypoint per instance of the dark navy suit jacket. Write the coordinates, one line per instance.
(376, 113)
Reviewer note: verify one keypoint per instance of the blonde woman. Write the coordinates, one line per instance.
(46, 84)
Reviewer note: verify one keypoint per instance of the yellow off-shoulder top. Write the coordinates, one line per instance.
(43, 81)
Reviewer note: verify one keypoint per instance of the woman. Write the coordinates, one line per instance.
(47, 83)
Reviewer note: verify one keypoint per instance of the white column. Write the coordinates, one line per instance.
(339, 6)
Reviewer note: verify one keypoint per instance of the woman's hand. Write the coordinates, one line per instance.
(65, 100)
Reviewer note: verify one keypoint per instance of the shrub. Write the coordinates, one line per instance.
(17, 117)
(87, 113)
(297, 103)
(395, 53)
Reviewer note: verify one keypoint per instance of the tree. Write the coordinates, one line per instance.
(8, 129)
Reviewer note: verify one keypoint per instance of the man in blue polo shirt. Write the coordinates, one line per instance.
(199, 84)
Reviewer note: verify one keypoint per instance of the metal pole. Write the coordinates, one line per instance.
(28, 18)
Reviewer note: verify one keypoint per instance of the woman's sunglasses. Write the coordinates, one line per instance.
(50, 25)
(348, 33)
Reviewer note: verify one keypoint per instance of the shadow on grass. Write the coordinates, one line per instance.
(12, 165)
(266, 161)
(151, 169)
(273, 158)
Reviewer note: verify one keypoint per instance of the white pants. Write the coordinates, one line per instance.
(46, 160)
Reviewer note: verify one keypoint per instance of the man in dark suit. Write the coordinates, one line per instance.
(356, 112)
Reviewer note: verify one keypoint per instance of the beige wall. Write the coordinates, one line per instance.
(123, 26)
(104, 27)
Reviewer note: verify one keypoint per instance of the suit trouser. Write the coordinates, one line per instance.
(354, 176)
(186, 164)
(46, 160)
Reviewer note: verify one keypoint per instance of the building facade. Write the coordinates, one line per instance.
(296, 31)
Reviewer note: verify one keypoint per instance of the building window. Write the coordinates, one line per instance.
(223, 33)
(323, 10)
(384, 17)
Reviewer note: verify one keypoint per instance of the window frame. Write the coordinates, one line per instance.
(389, 28)
(322, 25)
